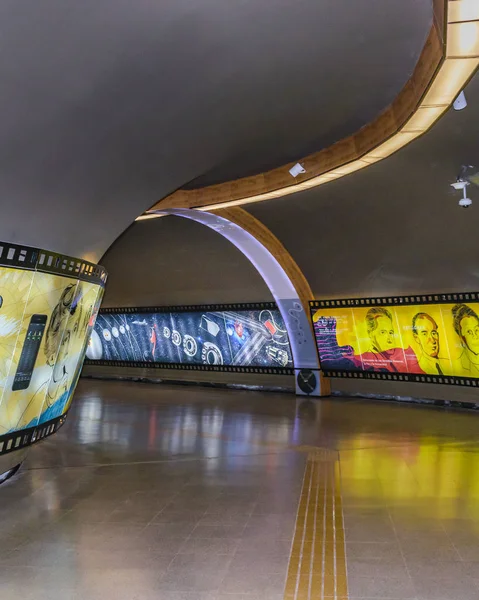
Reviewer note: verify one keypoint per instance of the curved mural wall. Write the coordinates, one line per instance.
(48, 306)
(240, 338)
(146, 264)
(428, 339)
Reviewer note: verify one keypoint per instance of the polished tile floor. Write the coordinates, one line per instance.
(184, 493)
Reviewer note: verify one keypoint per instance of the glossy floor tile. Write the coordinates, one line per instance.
(185, 493)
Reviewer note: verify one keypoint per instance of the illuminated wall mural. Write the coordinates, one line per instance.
(433, 336)
(211, 337)
(48, 305)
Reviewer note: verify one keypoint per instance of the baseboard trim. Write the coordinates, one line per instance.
(211, 384)
(474, 406)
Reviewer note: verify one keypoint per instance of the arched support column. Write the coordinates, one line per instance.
(283, 277)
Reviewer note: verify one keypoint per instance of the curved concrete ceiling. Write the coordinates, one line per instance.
(108, 105)
(394, 228)
(447, 63)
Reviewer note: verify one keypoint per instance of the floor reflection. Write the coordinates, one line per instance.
(152, 491)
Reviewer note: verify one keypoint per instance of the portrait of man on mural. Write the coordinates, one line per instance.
(466, 325)
(385, 352)
(426, 334)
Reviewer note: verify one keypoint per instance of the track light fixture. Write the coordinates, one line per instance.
(460, 102)
(297, 169)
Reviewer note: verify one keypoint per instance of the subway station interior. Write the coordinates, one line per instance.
(239, 300)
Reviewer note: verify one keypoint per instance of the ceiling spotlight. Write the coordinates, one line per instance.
(297, 169)
(460, 102)
(460, 184)
(465, 202)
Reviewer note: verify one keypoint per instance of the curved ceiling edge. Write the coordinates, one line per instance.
(447, 62)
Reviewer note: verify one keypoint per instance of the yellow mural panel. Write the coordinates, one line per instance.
(45, 323)
(433, 339)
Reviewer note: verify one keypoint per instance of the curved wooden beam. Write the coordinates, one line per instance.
(248, 223)
(448, 60)
(254, 227)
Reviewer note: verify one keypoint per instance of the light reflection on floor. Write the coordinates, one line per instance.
(178, 493)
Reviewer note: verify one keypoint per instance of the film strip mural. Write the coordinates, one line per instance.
(48, 307)
(238, 338)
(19, 440)
(191, 367)
(181, 308)
(28, 258)
(426, 338)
